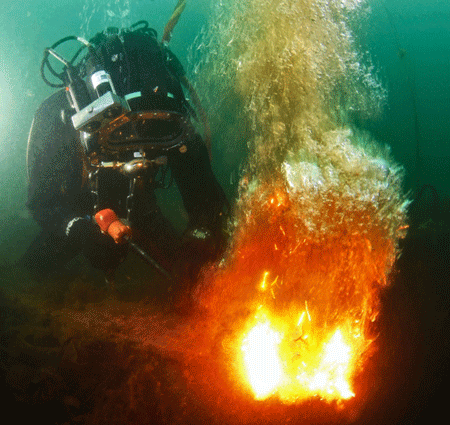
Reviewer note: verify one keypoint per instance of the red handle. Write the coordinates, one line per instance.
(109, 223)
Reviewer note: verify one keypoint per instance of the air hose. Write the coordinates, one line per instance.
(167, 35)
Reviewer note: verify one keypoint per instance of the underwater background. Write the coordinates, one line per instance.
(404, 51)
(409, 45)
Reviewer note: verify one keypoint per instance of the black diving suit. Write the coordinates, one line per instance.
(65, 189)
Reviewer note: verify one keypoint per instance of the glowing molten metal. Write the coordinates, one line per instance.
(262, 360)
(332, 374)
(271, 364)
(298, 299)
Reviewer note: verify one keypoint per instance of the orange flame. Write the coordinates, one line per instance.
(331, 377)
(262, 360)
(274, 363)
(300, 301)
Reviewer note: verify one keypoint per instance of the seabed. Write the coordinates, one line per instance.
(71, 353)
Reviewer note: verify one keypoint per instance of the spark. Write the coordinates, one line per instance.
(307, 311)
(300, 320)
(262, 286)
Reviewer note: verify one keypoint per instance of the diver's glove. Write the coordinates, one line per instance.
(99, 248)
(198, 247)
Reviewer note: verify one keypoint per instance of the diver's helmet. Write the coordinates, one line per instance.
(125, 93)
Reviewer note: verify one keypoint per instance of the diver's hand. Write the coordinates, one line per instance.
(99, 248)
(198, 248)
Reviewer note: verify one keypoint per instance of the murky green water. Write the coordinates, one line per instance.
(406, 44)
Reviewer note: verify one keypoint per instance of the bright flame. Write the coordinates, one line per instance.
(273, 364)
(262, 360)
(331, 375)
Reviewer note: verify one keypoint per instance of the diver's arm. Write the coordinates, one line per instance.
(203, 197)
(54, 165)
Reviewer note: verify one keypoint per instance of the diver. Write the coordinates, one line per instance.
(118, 129)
